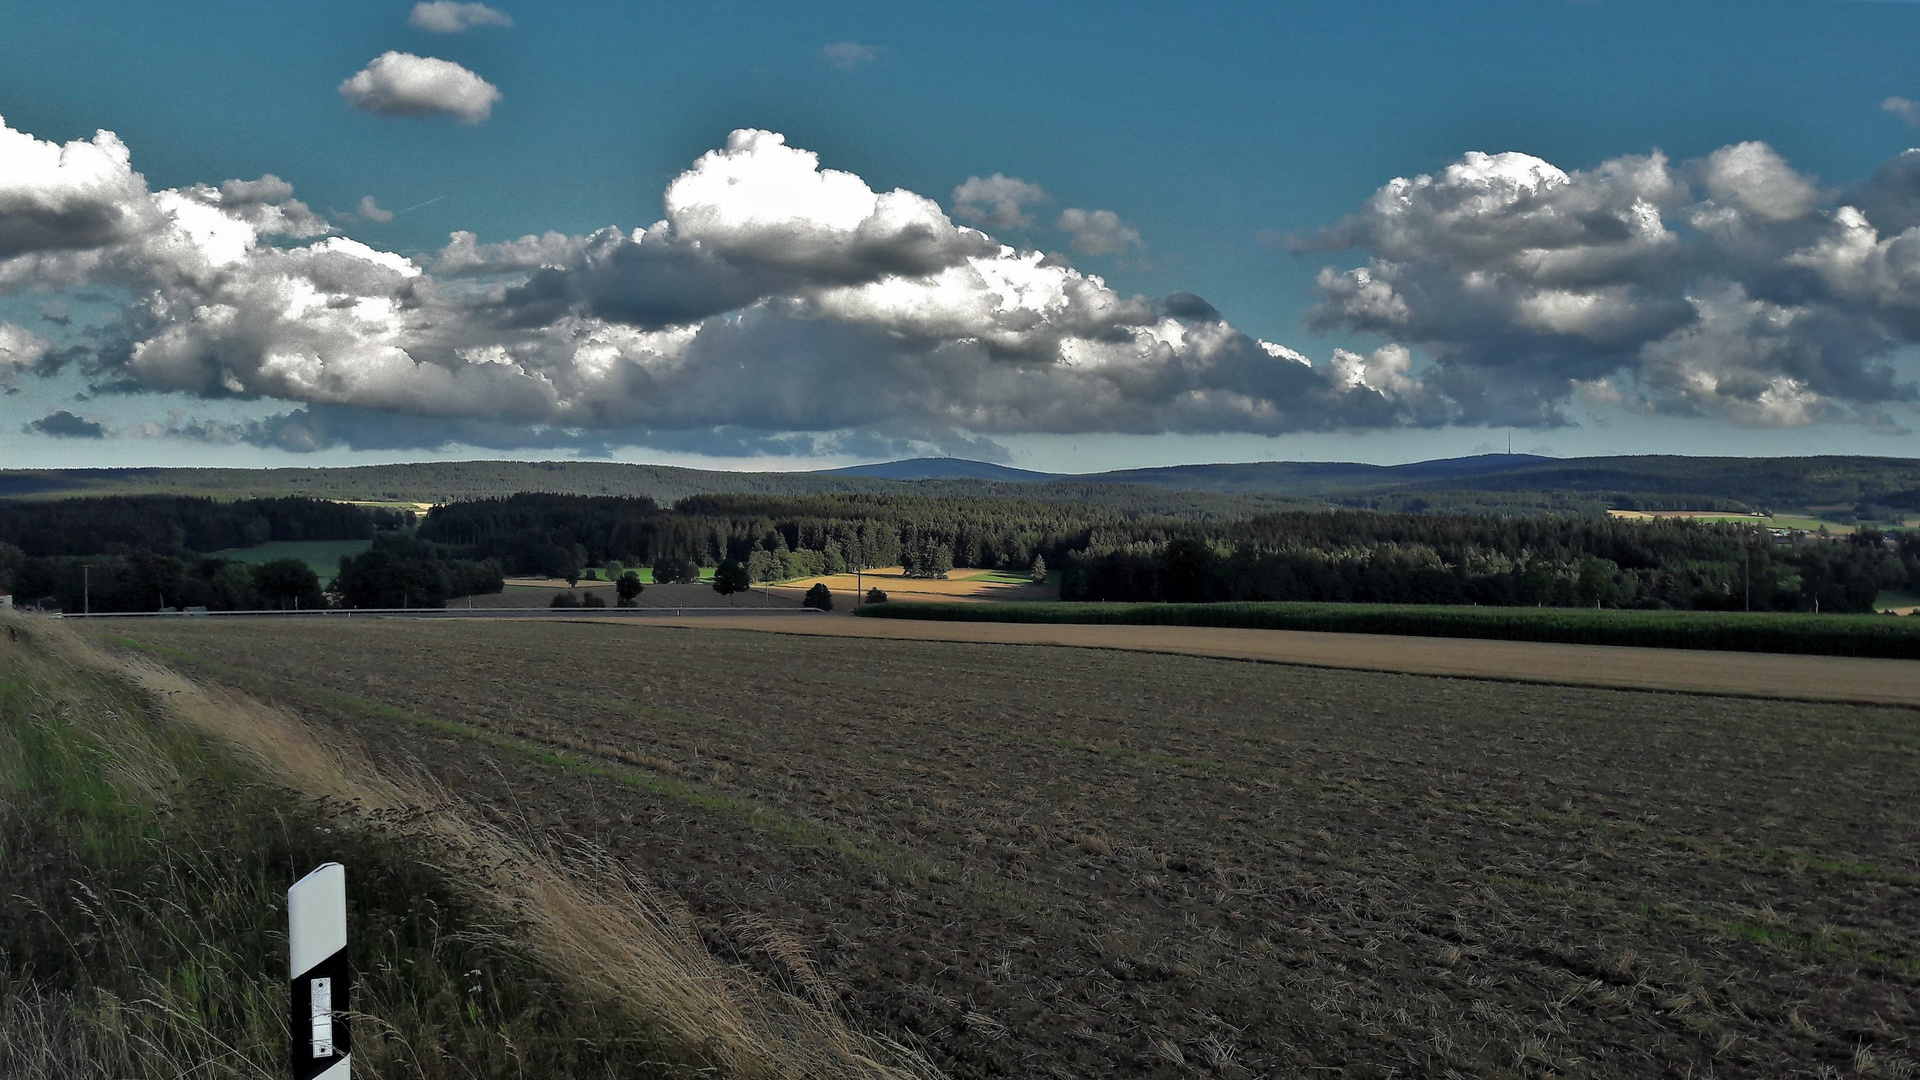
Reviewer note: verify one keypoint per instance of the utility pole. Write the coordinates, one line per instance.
(1749, 554)
(86, 589)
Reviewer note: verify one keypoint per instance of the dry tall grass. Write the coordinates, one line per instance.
(594, 927)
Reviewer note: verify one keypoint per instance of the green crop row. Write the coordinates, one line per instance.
(1826, 635)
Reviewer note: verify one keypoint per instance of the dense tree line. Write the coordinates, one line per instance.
(1555, 560)
(776, 538)
(1104, 553)
(172, 524)
(1558, 562)
(149, 581)
(398, 571)
(401, 571)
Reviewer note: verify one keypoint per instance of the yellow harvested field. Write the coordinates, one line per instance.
(389, 504)
(1711, 515)
(967, 586)
(1767, 675)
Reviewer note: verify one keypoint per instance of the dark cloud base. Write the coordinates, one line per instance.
(65, 425)
(329, 427)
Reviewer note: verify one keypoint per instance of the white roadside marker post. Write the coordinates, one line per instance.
(322, 983)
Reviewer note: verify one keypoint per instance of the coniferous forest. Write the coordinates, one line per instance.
(145, 553)
(1326, 555)
(149, 553)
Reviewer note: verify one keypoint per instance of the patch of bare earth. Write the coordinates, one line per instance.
(1079, 862)
(1737, 674)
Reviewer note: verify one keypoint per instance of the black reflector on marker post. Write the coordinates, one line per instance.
(317, 948)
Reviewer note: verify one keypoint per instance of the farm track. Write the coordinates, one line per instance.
(1095, 862)
(1726, 674)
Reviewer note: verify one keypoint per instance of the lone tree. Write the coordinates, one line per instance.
(730, 577)
(1038, 573)
(876, 596)
(628, 587)
(819, 597)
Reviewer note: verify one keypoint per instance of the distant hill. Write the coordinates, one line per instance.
(1259, 477)
(1797, 482)
(453, 481)
(941, 469)
(1497, 483)
(428, 481)
(1313, 477)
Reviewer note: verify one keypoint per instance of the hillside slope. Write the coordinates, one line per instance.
(1502, 482)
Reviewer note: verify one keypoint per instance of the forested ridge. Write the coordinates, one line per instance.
(1487, 483)
(778, 538)
(143, 553)
(1328, 555)
(176, 523)
(147, 553)
(1346, 556)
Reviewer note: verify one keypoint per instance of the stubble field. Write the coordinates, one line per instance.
(1033, 861)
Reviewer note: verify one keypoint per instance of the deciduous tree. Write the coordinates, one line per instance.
(730, 577)
(629, 588)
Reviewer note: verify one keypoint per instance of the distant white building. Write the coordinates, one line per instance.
(6, 601)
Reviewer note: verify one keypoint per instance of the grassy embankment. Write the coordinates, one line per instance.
(149, 830)
(1825, 635)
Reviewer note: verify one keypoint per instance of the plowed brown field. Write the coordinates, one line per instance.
(1797, 678)
(1091, 862)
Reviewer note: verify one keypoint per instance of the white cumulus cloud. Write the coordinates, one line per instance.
(20, 348)
(465, 254)
(452, 17)
(80, 195)
(1097, 232)
(402, 84)
(1754, 178)
(1726, 286)
(997, 201)
(778, 306)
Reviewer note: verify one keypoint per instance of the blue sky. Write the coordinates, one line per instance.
(1214, 131)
